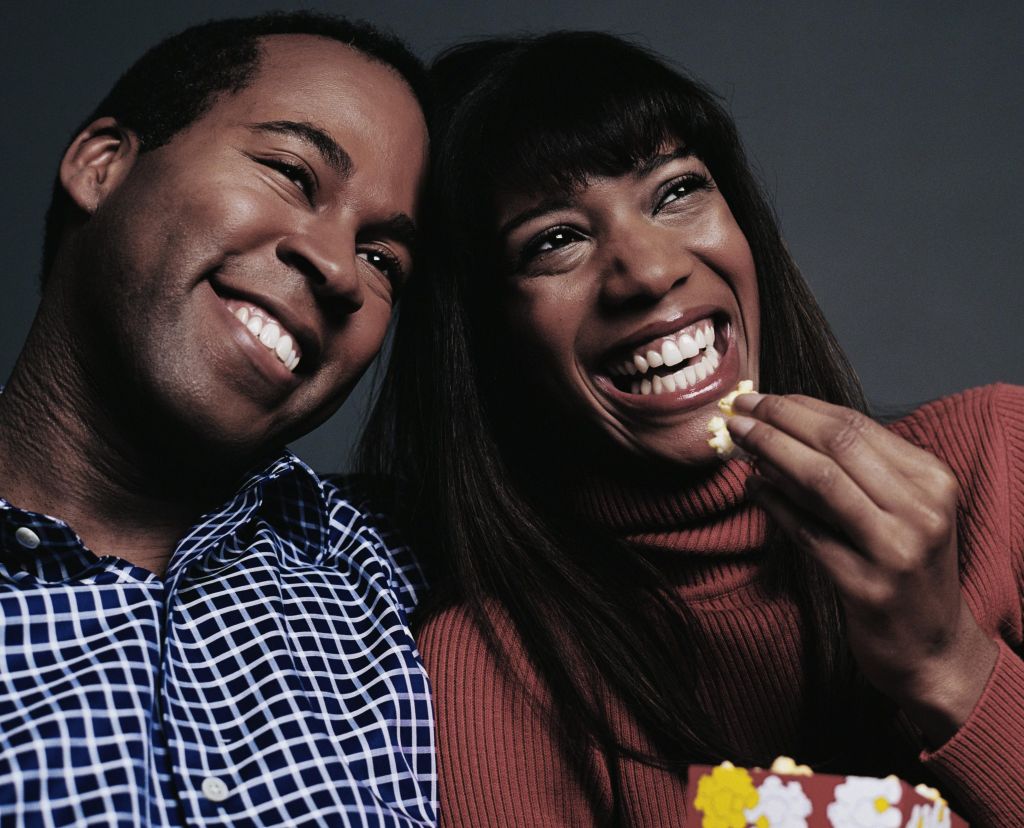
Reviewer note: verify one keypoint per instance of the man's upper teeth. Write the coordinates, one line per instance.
(271, 333)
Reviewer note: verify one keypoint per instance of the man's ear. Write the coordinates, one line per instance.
(97, 161)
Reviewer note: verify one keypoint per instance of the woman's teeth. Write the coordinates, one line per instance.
(269, 333)
(693, 345)
(681, 379)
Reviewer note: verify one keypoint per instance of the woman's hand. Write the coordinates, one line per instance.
(880, 516)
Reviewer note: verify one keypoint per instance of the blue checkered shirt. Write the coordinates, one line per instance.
(269, 679)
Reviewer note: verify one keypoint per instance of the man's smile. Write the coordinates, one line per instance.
(268, 331)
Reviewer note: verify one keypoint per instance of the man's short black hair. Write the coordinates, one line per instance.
(179, 79)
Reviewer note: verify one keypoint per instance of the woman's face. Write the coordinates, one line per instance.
(633, 303)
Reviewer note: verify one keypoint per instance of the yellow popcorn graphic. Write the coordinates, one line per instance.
(724, 795)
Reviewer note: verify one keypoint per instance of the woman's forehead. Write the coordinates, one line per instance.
(562, 189)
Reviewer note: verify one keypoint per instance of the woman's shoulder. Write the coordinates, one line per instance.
(979, 435)
(457, 638)
(502, 755)
(450, 629)
(968, 418)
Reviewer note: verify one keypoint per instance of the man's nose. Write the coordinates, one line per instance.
(326, 256)
(643, 262)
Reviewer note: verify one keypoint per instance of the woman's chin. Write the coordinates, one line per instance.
(670, 426)
(654, 449)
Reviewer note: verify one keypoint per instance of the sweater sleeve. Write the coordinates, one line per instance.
(982, 764)
(500, 760)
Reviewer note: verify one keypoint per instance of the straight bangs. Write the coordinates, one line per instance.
(586, 106)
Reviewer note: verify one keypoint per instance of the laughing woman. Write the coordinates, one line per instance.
(613, 600)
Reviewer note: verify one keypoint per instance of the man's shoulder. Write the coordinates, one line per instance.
(361, 511)
(357, 503)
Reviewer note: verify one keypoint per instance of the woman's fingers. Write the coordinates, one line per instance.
(844, 468)
(893, 473)
(820, 488)
(843, 563)
(868, 453)
(814, 481)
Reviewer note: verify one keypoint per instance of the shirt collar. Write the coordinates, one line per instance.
(42, 547)
(274, 490)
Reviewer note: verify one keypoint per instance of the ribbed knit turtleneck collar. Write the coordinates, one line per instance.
(703, 512)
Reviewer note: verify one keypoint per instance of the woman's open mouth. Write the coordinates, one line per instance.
(678, 362)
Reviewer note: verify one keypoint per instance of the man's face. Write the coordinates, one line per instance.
(241, 277)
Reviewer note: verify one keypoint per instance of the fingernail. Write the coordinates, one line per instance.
(739, 426)
(746, 402)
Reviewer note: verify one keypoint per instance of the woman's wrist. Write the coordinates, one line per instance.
(942, 695)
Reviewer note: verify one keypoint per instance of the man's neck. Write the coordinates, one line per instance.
(63, 453)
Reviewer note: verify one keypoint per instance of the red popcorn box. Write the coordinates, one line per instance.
(729, 797)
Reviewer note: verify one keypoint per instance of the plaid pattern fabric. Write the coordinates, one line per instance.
(269, 679)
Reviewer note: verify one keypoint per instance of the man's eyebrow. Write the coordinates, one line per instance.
(660, 160)
(548, 205)
(329, 149)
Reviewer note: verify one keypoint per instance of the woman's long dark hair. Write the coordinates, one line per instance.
(523, 115)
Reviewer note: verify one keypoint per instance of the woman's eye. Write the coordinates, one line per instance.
(298, 174)
(553, 239)
(684, 186)
(388, 264)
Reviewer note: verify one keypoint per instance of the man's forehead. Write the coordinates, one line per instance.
(292, 59)
(314, 78)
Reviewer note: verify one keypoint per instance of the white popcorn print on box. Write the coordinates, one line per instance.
(933, 815)
(864, 802)
(782, 804)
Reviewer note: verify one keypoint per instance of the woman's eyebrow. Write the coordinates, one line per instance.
(330, 150)
(656, 161)
(548, 205)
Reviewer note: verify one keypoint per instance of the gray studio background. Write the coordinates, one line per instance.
(889, 136)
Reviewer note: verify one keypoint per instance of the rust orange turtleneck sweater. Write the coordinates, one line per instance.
(502, 764)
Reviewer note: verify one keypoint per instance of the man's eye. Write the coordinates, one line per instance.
(684, 186)
(387, 263)
(298, 174)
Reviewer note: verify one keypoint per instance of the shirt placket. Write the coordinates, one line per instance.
(200, 772)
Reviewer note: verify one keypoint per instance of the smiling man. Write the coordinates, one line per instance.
(196, 629)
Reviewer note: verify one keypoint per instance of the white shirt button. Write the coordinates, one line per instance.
(26, 537)
(215, 790)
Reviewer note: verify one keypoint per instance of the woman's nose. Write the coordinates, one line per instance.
(644, 261)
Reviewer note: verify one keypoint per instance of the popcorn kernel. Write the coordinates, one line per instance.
(721, 440)
(744, 387)
(787, 765)
(929, 793)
